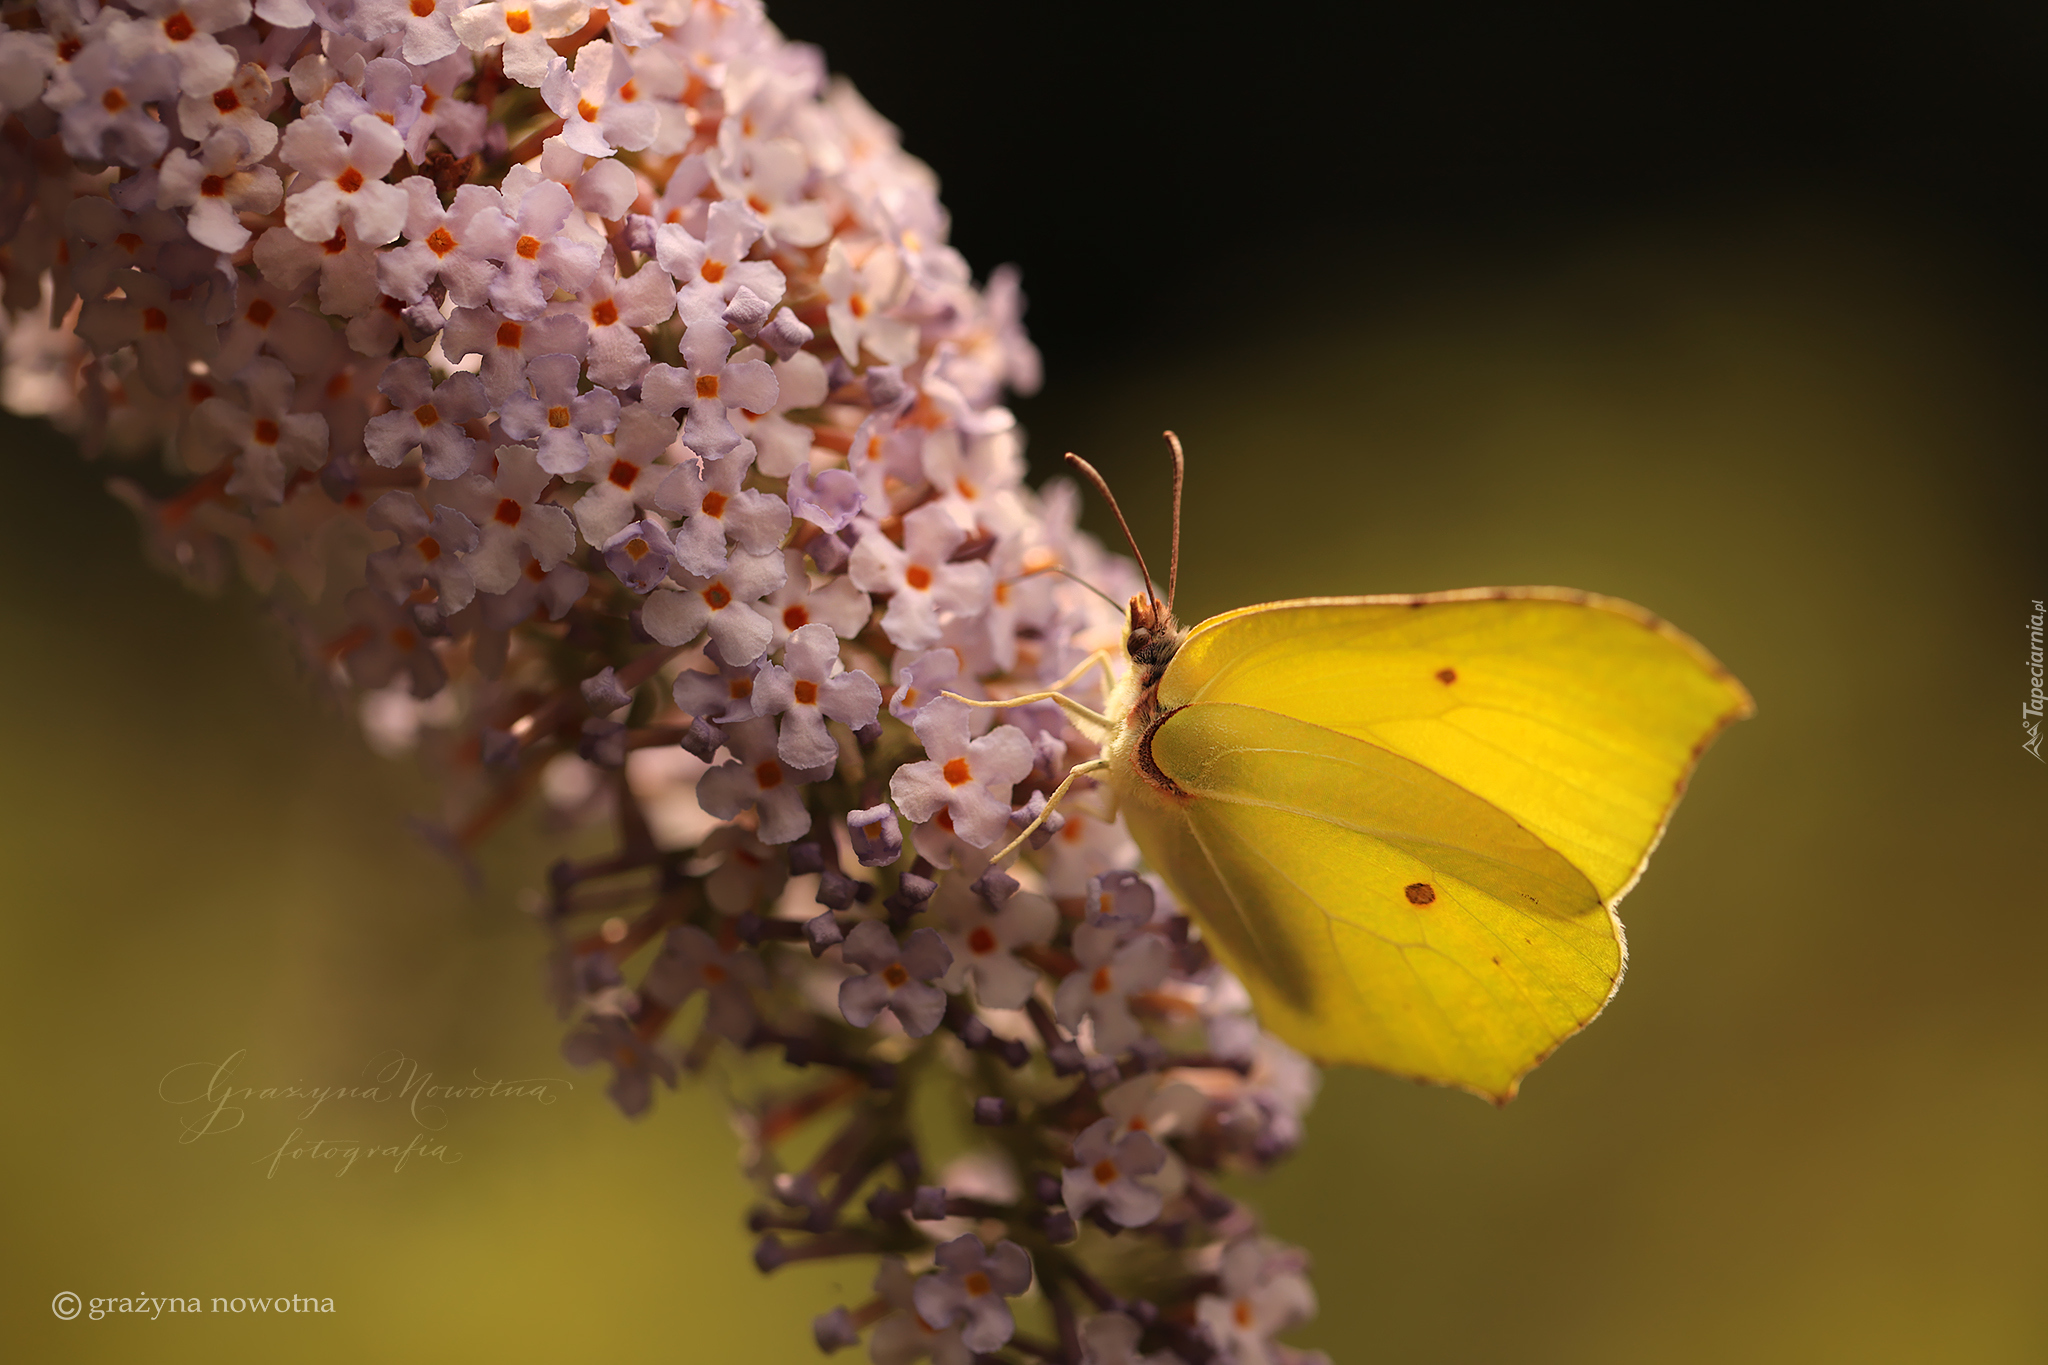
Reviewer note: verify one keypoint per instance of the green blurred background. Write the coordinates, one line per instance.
(1803, 424)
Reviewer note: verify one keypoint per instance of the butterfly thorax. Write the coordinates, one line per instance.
(1152, 639)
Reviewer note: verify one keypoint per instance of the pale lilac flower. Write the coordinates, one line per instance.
(342, 182)
(969, 1285)
(347, 269)
(919, 679)
(831, 503)
(427, 34)
(784, 445)
(265, 320)
(426, 418)
(386, 90)
(457, 245)
(711, 271)
(242, 105)
(675, 615)
(429, 550)
(918, 578)
(524, 27)
(903, 1336)
(808, 687)
(1109, 976)
(387, 641)
(714, 508)
(537, 590)
(634, 1060)
(984, 948)
(691, 961)
(183, 30)
(538, 258)
(1119, 899)
(599, 185)
(755, 778)
(1109, 1172)
(898, 979)
(215, 192)
(1112, 1339)
(514, 529)
(876, 837)
(507, 344)
(798, 602)
(601, 107)
(103, 100)
(768, 175)
(612, 308)
(713, 382)
(862, 287)
(749, 875)
(639, 554)
(266, 437)
(26, 60)
(1265, 1292)
(168, 334)
(556, 415)
(456, 122)
(970, 779)
(723, 697)
(624, 472)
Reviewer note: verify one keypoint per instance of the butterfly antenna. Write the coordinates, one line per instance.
(1173, 566)
(1102, 486)
(1074, 578)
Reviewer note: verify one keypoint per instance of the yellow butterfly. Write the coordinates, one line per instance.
(1404, 822)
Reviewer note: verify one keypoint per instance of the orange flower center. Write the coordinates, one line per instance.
(426, 414)
(714, 503)
(604, 312)
(712, 271)
(957, 772)
(528, 247)
(1105, 1171)
(227, 101)
(509, 333)
(981, 942)
(918, 577)
(718, 596)
(895, 974)
(441, 241)
(265, 431)
(558, 417)
(793, 617)
(768, 775)
(213, 187)
(518, 20)
(508, 512)
(178, 27)
(707, 386)
(806, 692)
(429, 548)
(349, 180)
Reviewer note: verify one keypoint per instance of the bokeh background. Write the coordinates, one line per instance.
(1736, 312)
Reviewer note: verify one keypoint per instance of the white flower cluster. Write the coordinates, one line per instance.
(597, 391)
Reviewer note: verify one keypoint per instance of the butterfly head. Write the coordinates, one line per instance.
(1153, 637)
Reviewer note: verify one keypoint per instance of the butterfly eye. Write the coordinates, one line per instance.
(1140, 640)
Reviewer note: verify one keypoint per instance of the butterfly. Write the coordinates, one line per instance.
(1404, 822)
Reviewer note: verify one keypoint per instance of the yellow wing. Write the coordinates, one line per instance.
(1580, 716)
(1407, 820)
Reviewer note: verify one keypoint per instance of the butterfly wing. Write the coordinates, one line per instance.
(1414, 873)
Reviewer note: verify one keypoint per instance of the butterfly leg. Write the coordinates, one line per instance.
(1065, 703)
(1093, 765)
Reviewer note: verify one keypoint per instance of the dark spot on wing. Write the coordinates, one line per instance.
(1447, 676)
(1419, 893)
